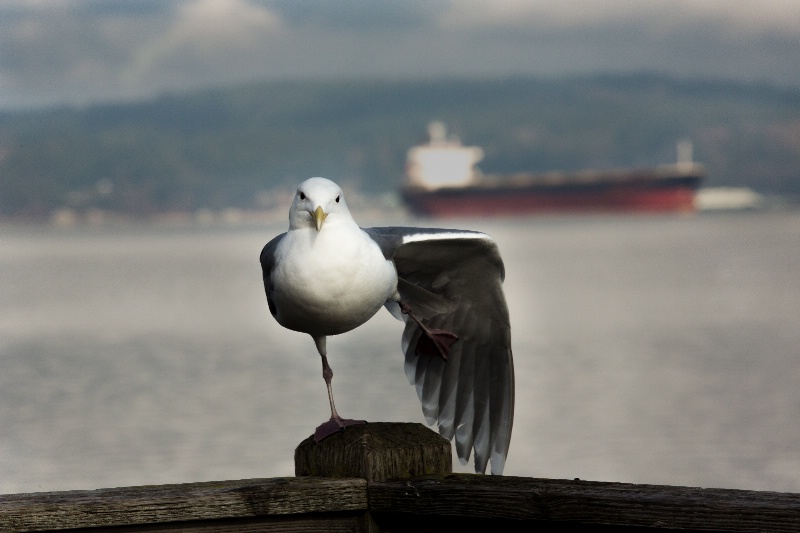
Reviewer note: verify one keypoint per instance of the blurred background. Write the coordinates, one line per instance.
(149, 149)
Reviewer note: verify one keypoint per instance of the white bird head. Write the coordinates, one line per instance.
(318, 201)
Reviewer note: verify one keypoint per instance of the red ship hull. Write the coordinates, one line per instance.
(653, 190)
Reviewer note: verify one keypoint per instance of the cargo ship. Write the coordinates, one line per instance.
(444, 181)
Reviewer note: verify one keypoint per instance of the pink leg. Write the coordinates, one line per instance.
(336, 422)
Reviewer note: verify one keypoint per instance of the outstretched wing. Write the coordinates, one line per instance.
(453, 280)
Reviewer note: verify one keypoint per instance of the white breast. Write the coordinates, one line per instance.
(330, 281)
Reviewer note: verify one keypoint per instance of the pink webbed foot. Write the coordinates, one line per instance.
(334, 425)
(435, 342)
(432, 342)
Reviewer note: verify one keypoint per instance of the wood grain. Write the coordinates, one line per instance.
(376, 452)
(184, 502)
(585, 502)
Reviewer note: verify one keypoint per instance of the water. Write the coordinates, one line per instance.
(647, 350)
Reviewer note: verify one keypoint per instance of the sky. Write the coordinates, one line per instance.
(81, 52)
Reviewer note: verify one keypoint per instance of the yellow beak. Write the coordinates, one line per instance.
(319, 217)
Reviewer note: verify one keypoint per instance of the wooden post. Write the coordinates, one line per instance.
(376, 452)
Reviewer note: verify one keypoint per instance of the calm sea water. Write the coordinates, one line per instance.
(647, 349)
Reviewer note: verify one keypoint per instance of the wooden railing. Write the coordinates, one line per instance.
(396, 477)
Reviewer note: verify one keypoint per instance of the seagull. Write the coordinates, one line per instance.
(326, 276)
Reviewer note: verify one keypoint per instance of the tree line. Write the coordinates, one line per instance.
(231, 147)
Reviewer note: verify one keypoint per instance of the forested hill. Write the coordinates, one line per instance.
(231, 147)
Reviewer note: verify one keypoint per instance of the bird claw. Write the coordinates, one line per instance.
(435, 342)
(334, 425)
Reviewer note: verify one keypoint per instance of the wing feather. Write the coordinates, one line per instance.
(267, 259)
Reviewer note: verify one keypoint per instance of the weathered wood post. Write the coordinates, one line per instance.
(376, 452)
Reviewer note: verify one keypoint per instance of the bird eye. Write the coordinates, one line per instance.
(302, 196)
(337, 199)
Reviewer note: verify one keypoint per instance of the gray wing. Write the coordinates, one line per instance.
(267, 259)
(456, 276)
